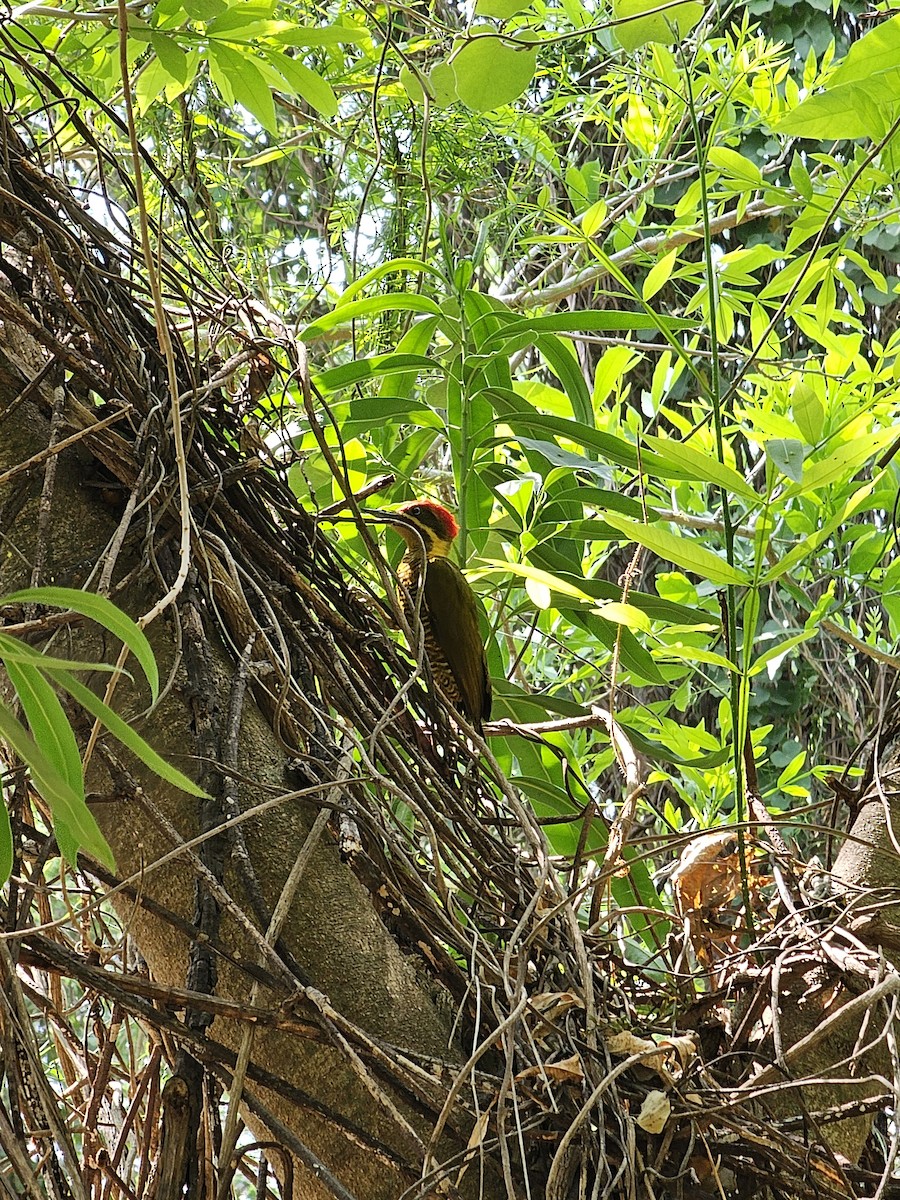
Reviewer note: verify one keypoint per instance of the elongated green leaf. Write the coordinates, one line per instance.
(371, 307)
(600, 589)
(6, 841)
(502, 10)
(495, 566)
(105, 613)
(378, 365)
(240, 19)
(633, 657)
(514, 411)
(171, 55)
(126, 735)
(415, 341)
(371, 411)
(394, 266)
(695, 654)
(586, 321)
(735, 165)
(787, 456)
(153, 83)
(808, 411)
(781, 649)
(685, 552)
(323, 35)
(12, 650)
(861, 96)
(842, 464)
(624, 614)
(302, 81)
(567, 369)
(567, 458)
(49, 725)
(238, 77)
(812, 541)
(706, 467)
(65, 804)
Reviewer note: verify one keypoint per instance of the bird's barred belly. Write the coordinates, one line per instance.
(440, 668)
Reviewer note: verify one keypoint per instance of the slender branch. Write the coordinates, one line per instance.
(657, 244)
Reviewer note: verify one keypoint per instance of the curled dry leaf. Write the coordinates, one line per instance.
(567, 1070)
(479, 1129)
(708, 872)
(551, 1006)
(629, 1043)
(655, 1111)
(684, 1045)
(682, 1048)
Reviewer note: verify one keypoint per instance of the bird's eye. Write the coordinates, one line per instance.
(415, 511)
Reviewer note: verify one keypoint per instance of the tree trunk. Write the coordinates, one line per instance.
(332, 931)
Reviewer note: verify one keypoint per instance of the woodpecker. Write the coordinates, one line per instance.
(449, 612)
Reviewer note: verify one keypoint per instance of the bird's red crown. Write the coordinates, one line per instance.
(433, 515)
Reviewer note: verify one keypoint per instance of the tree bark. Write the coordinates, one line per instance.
(332, 930)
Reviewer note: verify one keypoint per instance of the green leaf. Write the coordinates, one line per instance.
(394, 266)
(862, 96)
(412, 85)
(49, 725)
(65, 804)
(585, 321)
(204, 10)
(805, 548)
(322, 35)
(538, 593)
(807, 410)
(501, 10)
(316, 91)
(6, 841)
(406, 302)
(685, 552)
(735, 165)
(105, 613)
(658, 275)
(779, 650)
(695, 654)
(12, 650)
(875, 52)
(566, 458)
(171, 55)
(373, 411)
(513, 411)
(490, 71)
(126, 735)
(152, 83)
(242, 18)
(787, 455)
(625, 614)
(493, 566)
(378, 366)
(240, 81)
(565, 366)
(673, 23)
(843, 463)
(442, 84)
(675, 460)
(592, 219)
(858, 110)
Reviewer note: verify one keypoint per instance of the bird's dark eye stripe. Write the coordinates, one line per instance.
(429, 518)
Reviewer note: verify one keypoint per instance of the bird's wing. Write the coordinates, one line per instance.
(453, 612)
